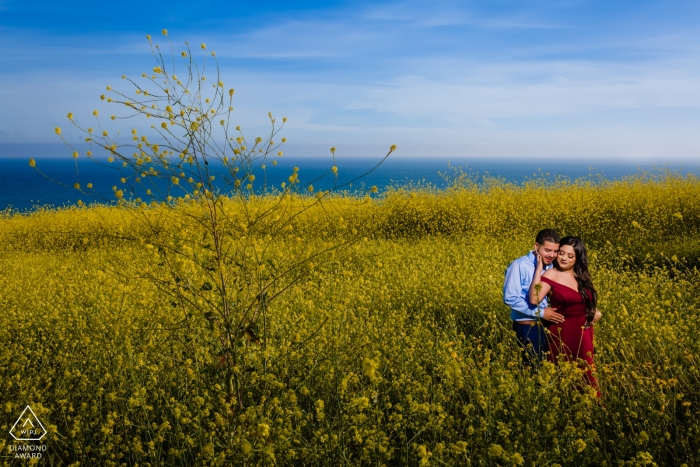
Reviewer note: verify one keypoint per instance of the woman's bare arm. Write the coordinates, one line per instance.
(538, 289)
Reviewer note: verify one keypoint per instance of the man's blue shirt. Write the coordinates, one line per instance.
(516, 289)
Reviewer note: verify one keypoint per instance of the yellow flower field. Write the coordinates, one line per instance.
(394, 349)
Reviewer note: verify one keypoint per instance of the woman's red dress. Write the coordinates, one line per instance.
(570, 338)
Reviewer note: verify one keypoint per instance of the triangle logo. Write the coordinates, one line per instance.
(28, 427)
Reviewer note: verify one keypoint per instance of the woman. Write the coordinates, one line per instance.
(570, 289)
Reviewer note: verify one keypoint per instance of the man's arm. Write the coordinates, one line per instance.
(516, 299)
(513, 295)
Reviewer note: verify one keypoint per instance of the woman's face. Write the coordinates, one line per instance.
(566, 257)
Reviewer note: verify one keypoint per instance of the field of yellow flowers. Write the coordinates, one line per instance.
(395, 351)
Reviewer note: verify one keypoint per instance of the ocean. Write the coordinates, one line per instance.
(22, 188)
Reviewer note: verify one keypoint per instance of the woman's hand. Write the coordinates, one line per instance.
(596, 318)
(539, 266)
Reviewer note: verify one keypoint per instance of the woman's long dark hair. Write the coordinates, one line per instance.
(583, 277)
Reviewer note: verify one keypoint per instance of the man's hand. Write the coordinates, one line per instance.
(550, 314)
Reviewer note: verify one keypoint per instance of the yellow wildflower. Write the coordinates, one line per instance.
(263, 430)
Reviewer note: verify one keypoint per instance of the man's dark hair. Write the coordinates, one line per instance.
(547, 235)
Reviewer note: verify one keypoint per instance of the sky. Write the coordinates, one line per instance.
(568, 80)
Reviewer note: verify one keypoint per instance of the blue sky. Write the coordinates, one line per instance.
(530, 79)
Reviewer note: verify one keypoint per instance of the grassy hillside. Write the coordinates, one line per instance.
(395, 350)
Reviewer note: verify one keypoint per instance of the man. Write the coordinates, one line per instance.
(526, 317)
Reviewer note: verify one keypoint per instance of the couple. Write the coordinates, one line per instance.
(555, 273)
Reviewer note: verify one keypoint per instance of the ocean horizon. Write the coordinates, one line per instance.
(23, 189)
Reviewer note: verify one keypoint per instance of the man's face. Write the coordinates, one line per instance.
(547, 251)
